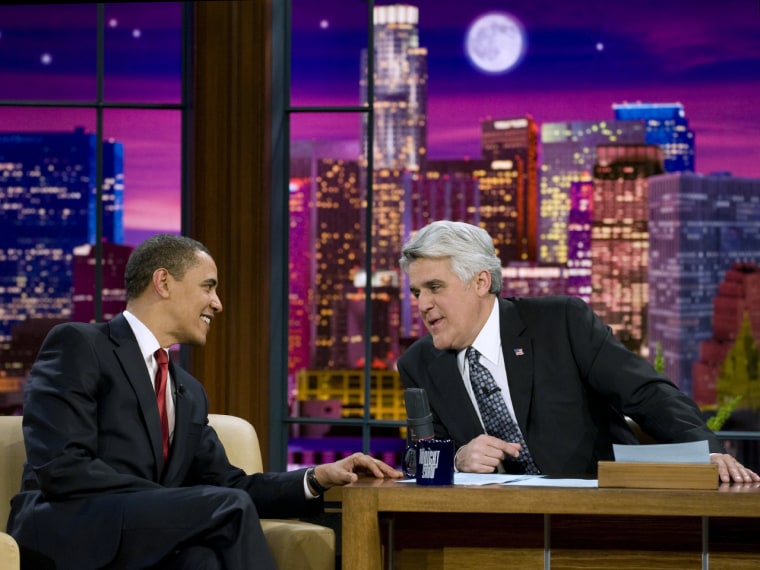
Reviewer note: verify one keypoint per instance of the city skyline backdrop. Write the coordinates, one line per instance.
(578, 62)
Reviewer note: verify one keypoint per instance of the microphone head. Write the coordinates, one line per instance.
(419, 419)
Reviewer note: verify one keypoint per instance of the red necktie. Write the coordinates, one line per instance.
(162, 375)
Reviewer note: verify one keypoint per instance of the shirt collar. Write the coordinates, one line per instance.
(488, 341)
(145, 339)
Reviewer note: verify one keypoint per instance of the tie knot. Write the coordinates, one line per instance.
(161, 357)
(472, 355)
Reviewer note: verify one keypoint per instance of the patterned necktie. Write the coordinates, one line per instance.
(162, 375)
(493, 409)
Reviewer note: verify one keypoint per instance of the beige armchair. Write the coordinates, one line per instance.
(295, 544)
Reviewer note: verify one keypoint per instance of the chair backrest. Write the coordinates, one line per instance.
(240, 441)
(236, 434)
(12, 457)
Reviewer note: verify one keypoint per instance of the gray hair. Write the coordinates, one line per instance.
(469, 248)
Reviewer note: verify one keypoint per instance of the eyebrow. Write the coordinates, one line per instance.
(210, 281)
(428, 284)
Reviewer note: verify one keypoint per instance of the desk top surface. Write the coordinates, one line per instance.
(737, 500)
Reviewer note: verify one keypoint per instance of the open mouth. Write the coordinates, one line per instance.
(206, 319)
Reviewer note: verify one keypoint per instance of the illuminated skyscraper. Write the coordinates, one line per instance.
(620, 238)
(400, 90)
(300, 273)
(490, 192)
(325, 251)
(48, 205)
(580, 220)
(337, 255)
(513, 144)
(699, 226)
(399, 124)
(569, 155)
(667, 127)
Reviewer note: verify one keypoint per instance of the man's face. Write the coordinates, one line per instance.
(451, 309)
(193, 302)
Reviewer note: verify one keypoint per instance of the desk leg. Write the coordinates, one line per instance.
(360, 530)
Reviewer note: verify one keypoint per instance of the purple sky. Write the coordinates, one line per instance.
(49, 55)
(704, 54)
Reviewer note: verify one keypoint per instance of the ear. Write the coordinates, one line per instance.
(161, 282)
(483, 282)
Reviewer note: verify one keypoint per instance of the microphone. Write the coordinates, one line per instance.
(419, 419)
(181, 389)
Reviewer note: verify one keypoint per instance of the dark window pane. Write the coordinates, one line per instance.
(327, 42)
(48, 52)
(143, 52)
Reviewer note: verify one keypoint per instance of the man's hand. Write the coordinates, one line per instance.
(729, 469)
(484, 453)
(348, 469)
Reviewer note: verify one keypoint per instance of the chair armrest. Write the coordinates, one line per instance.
(298, 545)
(10, 559)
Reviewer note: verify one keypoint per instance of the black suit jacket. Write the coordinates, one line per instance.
(93, 440)
(571, 383)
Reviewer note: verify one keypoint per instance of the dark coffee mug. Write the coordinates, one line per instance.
(430, 461)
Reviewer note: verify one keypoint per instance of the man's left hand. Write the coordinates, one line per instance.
(729, 469)
(348, 469)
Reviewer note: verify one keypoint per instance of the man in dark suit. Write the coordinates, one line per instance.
(97, 490)
(554, 367)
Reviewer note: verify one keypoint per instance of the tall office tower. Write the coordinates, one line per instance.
(300, 276)
(529, 279)
(620, 238)
(738, 299)
(113, 291)
(48, 204)
(325, 251)
(569, 155)
(400, 90)
(667, 127)
(399, 116)
(515, 141)
(337, 255)
(579, 222)
(699, 226)
(494, 205)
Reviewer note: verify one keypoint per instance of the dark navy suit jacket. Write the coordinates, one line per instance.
(571, 384)
(93, 442)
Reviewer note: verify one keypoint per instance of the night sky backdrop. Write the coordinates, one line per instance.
(579, 59)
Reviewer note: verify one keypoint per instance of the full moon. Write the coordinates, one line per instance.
(495, 42)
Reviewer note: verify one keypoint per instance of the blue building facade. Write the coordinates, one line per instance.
(48, 207)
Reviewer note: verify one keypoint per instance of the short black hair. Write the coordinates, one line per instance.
(172, 252)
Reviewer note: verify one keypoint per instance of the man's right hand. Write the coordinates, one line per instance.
(484, 453)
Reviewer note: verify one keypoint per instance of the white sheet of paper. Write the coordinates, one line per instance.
(486, 478)
(503, 479)
(690, 452)
(541, 481)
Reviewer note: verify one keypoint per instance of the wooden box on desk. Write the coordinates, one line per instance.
(635, 475)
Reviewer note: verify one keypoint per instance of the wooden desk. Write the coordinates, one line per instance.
(401, 525)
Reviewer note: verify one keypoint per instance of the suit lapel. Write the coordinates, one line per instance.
(517, 347)
(182, 417)
(128, 353)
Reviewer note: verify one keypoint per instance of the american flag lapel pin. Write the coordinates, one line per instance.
(519, 352)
